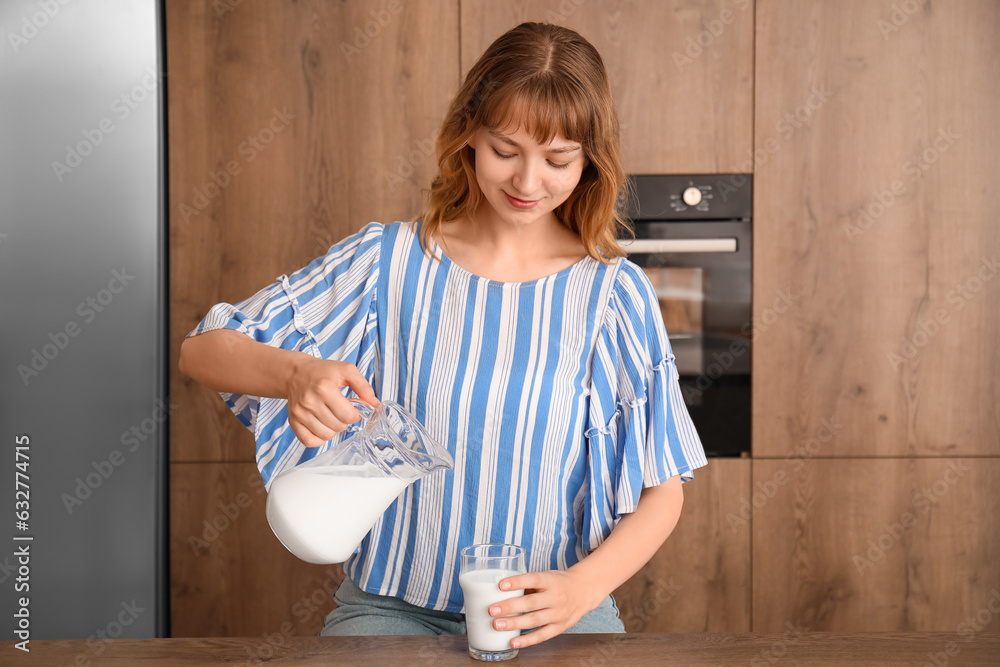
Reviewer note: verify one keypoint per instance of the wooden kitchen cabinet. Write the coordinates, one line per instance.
(875, 304)
(289, 129)
(681, 73)
(313, 130)
(699, 581)
(875, 360)
(229, 574)
(871, 545)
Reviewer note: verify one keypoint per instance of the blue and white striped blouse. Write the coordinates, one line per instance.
(557, 397)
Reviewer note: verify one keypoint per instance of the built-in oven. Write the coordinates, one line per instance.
(693, 240)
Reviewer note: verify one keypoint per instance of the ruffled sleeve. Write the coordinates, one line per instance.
(639, 432)
(326, 309)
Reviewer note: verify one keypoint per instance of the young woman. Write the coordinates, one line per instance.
(507, 321)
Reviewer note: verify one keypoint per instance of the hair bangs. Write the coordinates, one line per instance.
(543, 107)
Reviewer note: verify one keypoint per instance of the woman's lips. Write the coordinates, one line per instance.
(520, 203)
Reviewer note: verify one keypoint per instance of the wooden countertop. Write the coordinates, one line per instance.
(635, 650)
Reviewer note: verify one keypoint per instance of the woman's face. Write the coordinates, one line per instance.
(525, 181)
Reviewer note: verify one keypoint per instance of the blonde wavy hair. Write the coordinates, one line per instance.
(553, 81)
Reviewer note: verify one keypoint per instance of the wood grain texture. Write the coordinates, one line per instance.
(291, 125)
(868, 545)
(229, 574)
(649, 649)
(699, 581)
(875, 217)
(326, 113)
(684, 108)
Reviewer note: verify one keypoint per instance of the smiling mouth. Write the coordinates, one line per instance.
(520, 203)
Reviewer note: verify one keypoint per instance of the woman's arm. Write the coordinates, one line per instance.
(561, 598)
(636, 538)
(230, 361)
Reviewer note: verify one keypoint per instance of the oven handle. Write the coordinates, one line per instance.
(651, 246)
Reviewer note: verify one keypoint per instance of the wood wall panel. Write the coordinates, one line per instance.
(875, 209)
(230, 576)
(680, 114)
(877, 545)
(355, 123)
(699, 581)
(352, 128)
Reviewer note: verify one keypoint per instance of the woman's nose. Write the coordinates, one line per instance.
(526, 178)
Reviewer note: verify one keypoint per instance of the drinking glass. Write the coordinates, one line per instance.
(483, 566)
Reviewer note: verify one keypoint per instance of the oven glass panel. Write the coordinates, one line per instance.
(681, 293)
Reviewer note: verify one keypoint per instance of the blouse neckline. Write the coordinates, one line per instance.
(437, 249)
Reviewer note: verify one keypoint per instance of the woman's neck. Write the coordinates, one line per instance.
(499, 250)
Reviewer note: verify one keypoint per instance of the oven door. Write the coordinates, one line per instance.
(701, 272)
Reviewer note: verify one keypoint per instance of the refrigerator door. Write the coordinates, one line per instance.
(82, 271)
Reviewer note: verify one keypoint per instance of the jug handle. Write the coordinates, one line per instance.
(366, 410)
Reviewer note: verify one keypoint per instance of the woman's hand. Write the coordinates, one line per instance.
(317, 410)
(553, 602)
(230, 361)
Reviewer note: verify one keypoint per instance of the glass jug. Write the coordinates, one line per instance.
(322, 509)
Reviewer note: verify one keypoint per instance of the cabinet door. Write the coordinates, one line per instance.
(699, 581)
(876, 545)
(230, 576)
(291, 126)
(876, 242)
(681, 73)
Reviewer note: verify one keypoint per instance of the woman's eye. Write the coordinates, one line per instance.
(507, 156)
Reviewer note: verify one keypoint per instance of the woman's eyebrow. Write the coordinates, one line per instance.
(511, 142)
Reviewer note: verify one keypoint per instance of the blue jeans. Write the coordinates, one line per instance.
(361, 613)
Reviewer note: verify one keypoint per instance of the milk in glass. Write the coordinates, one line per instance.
(481, 590)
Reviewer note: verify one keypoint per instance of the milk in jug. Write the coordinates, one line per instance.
(322, 509)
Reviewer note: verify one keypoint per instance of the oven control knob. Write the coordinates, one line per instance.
(692, 196)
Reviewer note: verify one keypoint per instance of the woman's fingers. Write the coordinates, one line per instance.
(319, 423)
(525, 581)
(552, 603)
(525, 609)
(545, 621)
(310, 431)
(305, 436)
(324, 424)
(341, 411)
(525, 621)
(328, 399)
(314, 424)
(356, 381)
(317, 407)
(538, 636)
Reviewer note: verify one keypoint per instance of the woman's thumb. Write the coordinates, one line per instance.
(365, 392)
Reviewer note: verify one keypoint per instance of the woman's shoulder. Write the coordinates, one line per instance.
(633, 321)
(376, 228)
(358, 251)
(631, 286)
(372, 234)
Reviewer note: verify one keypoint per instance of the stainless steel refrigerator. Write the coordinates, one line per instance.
(84, 409)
